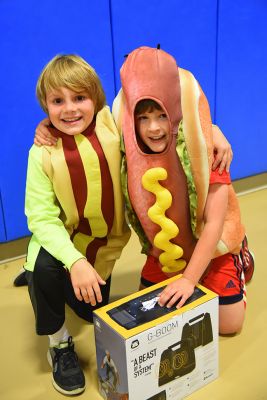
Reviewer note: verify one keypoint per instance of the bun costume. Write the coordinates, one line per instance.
(74, 202)
(153, 74)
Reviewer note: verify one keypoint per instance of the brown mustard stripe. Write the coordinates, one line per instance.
(93, 247)
(107, 200)
(78, 181)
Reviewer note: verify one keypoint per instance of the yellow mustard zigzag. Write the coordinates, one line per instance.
(170, 259)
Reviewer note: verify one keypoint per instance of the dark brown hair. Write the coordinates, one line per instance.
(146, 105)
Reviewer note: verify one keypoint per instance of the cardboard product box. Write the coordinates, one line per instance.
(148, 352)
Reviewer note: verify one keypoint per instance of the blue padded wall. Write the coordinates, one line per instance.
(32, 32)
(241, 105)
(2, 226)
(185, 29)
(223, 43)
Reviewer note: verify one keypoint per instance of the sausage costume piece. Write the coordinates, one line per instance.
(183, 168)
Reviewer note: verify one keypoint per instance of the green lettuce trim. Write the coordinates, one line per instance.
(184, 158)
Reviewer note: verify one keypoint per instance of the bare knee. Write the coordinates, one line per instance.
(231, 318)
(230, 328)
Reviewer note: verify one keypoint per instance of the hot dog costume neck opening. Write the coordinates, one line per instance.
(180, 173)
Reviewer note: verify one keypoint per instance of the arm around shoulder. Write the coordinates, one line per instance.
(214, 216)
(223, 150)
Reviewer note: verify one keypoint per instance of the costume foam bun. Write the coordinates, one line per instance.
(153, 74)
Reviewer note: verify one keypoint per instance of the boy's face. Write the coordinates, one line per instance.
(153, 129)
(70, 112)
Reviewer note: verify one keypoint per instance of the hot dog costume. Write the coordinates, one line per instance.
(74, 201)
(152, 73)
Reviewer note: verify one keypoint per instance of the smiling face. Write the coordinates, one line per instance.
(153, 128)
(70, 112)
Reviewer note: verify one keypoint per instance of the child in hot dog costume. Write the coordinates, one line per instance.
(75, 210)
(186, 215)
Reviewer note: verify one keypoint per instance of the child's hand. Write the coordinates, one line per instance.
(181, 289)
(222, 149)
(85, 281)
(42, 134)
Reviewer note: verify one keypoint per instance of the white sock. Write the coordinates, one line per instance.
(61, 335)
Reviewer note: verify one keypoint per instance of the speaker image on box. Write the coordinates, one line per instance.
(133, 313)
(198, 330)
(177, 360)
(159, 396)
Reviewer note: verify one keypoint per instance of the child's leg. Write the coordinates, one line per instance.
(47, 292)
(46, 289)
(231, 317)
(62, 335)
(50, 288)
(225, 277)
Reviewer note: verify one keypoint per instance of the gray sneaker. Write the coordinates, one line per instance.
(68, 377)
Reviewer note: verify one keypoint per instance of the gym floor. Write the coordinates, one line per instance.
(26, 375)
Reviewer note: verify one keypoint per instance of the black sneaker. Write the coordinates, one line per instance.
(20, 279)
(68, 377)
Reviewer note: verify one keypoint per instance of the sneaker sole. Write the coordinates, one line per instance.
(60, 389)
(67, 392)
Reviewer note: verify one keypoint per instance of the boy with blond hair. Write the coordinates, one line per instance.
(74, 208)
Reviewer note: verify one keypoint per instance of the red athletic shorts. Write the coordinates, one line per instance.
(224, 276)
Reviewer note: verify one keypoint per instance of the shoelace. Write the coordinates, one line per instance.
(66, 357)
